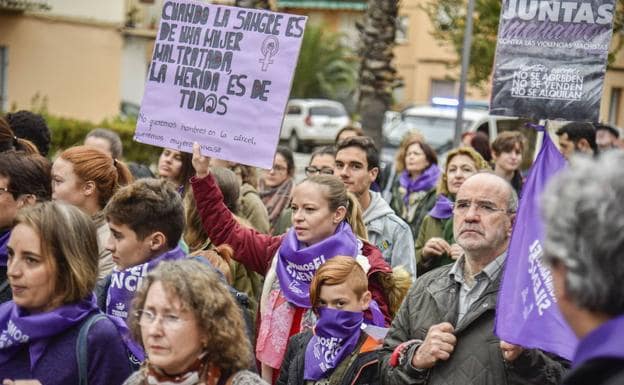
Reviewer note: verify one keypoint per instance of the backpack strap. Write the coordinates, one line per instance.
(81, 347)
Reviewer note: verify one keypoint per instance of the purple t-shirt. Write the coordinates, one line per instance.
(107, 360)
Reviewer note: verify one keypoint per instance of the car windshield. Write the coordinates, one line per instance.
(438, 131)
(331, 111)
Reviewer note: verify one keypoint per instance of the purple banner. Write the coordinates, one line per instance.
(220, 76)
(527, 312)
(551, 58)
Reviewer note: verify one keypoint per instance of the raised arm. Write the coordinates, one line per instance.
(251, 248)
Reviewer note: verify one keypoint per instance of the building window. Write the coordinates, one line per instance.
(443, 89)
(402, 29)
(4, 64)
(614, 105)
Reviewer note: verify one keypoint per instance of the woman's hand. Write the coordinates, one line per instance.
(201, 163)
(435, 247)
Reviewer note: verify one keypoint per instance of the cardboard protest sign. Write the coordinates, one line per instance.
(220, 76)
(527, 312)
(551, 58)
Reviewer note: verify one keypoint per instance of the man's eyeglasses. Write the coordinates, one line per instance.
(168, 321)
(311, 170)
(481, 208)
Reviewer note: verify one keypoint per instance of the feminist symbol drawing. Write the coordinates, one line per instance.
(270, 47)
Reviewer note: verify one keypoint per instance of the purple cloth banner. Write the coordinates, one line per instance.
(220, 76)
(527, 312)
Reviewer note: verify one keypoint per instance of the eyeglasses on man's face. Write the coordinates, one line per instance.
(482, 208)
(311, 170)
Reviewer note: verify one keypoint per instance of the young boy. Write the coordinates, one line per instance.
(146, 219)
(341, 349)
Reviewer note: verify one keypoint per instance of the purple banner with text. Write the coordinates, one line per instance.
(527, 312)
(220, 76)
(551, 58)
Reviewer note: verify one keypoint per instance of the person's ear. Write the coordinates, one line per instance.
(339, 215)
(373, 172)
(494, 156)
(26, 200)
(88, 188)
(583, 146)
(157, 241)
(512, 220)
(365, 300)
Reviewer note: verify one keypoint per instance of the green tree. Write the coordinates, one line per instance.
(449, 19)
(378, 77)
(326, 67)
(257, 4)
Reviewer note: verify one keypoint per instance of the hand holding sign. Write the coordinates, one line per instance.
(201, 163)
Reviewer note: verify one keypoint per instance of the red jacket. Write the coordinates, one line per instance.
(256, 250)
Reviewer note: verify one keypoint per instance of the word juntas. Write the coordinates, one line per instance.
(559, 11)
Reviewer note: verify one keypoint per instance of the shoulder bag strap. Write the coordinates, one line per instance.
(81, 347)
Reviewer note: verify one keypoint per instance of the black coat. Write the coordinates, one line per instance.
(364, 370)
(602, 371)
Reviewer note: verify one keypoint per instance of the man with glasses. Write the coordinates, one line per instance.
(357, 164)
(444, 331)
(24, 180)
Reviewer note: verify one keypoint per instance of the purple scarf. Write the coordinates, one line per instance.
(603, 342)
(425, 181)
(124, 285)
(296, 265)
(18, 328)
(4, 240)
(443, 208)
(336, 335)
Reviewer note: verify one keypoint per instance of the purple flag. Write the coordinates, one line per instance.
(527, 312)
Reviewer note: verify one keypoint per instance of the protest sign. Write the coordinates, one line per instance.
(527, 312)
(551, 58)
(220, 76)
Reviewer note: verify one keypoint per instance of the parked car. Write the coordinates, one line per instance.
(312, 122)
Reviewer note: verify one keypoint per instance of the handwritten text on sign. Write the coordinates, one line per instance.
(220, 76)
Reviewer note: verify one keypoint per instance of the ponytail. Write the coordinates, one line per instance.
(8, 140)
(354, 217)
(124, 176)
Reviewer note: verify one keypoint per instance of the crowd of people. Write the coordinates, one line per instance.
(207, 271)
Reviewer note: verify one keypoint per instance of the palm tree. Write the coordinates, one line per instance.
(326, 66)
(378, 77)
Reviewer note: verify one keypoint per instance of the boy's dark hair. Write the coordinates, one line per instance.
(580, 130)
(31, 126)
(365, 144)
(146, 206)
(27, 174)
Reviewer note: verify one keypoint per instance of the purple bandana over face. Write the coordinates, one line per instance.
(443, 208)
(296, 264)
(124, 285)
(336, 335)
(4, 253)
(18, 327)
(425, 181)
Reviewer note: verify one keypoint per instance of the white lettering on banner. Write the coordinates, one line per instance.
(129, 279)
(306, 271)
(11, 335)
(559, 11)
(543, 289)
(332, 348)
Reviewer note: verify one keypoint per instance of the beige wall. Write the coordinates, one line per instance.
(75, 65)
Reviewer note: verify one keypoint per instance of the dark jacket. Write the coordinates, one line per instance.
(477, 358)
(363, 370)
(603, 371)
(424, 203)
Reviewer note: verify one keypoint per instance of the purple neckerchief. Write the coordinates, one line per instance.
(297, 264)
(443, 208)
(425, 181)
(603, 342)
(336, 335)
(4, 240)
(378, 317)
(124, 285)
(18, 327)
